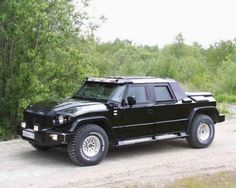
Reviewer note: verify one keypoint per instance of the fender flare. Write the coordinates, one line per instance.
(211, 111)
(107, 126)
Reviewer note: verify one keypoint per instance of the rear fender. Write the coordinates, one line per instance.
(211, 111)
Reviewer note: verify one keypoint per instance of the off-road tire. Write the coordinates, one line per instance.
(39, 147)
(194, 138)
(76, 150)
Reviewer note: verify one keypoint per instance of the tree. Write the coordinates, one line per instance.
(219, 52)
(38, 53)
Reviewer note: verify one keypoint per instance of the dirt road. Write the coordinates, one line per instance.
(156, 164)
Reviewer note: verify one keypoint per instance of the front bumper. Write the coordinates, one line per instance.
(221, 118)
(45, 137)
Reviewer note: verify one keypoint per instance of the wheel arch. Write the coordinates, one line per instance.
(210, 111)
(102, 122)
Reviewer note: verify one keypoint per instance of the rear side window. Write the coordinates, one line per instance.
(139, 92)
(162, 93)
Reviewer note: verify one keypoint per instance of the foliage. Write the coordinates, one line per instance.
(222, 107)
(48, 48)
(212, 69)
(39, 57)
(226, 98)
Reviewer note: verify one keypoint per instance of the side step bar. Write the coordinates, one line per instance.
(152, 139)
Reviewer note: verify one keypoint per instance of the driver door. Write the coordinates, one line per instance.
(137, 119)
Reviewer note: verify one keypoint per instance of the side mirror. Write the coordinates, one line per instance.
(131, 100)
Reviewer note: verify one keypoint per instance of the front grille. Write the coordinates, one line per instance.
(43, 121)
(32, 119)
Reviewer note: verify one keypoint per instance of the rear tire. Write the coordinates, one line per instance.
(202, 131)
(39, 147)
(89, 145)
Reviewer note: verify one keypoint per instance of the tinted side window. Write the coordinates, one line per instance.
(118, 93)
(139, 92)
(162, 93)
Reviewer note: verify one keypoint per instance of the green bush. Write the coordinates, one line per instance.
(226, 98)
(7, 131)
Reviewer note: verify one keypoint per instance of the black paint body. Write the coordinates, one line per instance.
(121, 121)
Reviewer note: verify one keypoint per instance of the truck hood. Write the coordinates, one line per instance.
(71, 106)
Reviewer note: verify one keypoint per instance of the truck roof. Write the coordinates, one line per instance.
(129, 79)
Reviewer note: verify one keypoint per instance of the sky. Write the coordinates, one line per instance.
(157, 22)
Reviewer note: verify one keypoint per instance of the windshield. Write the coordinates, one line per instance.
(101, 91)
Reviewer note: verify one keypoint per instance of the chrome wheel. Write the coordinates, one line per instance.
(203, 132)
(91, 146)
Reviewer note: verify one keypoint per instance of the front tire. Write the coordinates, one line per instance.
(202, 131)
(89, 145)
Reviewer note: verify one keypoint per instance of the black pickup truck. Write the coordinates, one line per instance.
(117, 111)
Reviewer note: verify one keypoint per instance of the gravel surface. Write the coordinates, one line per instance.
(152, 164)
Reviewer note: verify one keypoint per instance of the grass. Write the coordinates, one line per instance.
(225, 179)
(219, 180)
(223, 108)
(226, 98)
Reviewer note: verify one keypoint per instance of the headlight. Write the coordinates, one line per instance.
(62, 119)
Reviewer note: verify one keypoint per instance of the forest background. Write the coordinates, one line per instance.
(48, 48)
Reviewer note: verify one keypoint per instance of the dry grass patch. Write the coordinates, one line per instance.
(219, 180)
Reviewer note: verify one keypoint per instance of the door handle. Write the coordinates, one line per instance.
(150, 111)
